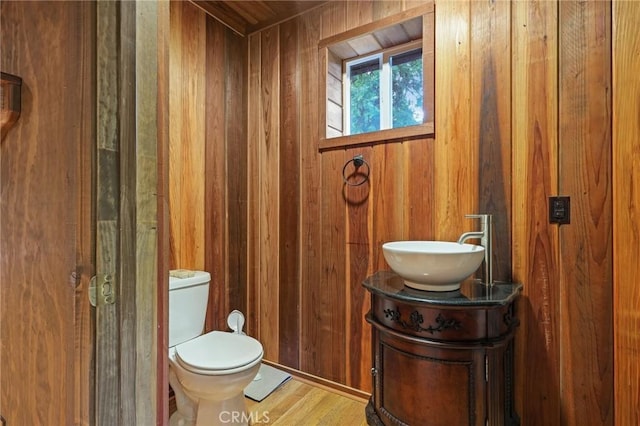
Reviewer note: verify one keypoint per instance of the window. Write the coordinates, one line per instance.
(363, 95)
(378, 81)
(383, 91)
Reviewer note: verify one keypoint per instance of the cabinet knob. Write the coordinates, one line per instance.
(374, 371)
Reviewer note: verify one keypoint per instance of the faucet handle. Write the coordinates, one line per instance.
(485, 219)
(477, 216)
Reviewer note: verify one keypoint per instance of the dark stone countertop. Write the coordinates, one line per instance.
(471, 293)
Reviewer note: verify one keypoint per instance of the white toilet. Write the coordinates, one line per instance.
(207, 372)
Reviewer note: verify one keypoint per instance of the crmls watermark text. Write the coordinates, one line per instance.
(241, 417)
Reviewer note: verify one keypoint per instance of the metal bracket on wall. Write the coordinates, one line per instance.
(102, 290)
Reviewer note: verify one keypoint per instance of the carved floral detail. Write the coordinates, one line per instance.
(510, 318)
(416, 320)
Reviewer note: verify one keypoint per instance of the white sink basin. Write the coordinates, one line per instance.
(433, 265)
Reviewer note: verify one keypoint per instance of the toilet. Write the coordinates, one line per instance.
(207, 372)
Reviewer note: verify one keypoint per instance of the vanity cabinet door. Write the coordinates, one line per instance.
(428, 385)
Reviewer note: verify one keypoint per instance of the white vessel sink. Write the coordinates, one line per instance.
(433, 265)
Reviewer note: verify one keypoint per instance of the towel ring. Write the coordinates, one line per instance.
(357, 161)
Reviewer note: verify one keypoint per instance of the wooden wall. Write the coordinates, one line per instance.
(524, 111)
(47, 244)
(207, 155)
(315, 238)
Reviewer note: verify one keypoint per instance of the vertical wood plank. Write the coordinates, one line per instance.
(455, 154)
(127, 233)
(84, 384)
(237, 170)
(310, 181)
(357, 241)
(254, 121)
(329, 304)
(269, 154)
(626, 210)
(419, 192)
(289, 192)
(381, 9)
(107, 378)
(145, 218)
(358, 13)
(534, 244)
(187, 129)
(490, 126)
(162, 391)
(174, 162)
(387, 181)
(215, 200)
(585, 245)
(358, 263)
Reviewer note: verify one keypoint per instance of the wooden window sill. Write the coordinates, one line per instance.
(381, 136)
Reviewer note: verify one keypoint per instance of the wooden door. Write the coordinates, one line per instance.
(46, 235)
(80, 187)
(424, 384)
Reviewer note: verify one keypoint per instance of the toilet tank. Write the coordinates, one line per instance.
(187, 306)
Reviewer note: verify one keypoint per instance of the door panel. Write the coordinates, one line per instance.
(46, 244)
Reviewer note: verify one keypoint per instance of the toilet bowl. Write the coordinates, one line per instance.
(207, 372)
(212, 370)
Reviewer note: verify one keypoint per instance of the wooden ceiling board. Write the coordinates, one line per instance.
(391, 36)
(222, 13)
(343, 50)
(246, 17)
(365, 44)
(394, 35)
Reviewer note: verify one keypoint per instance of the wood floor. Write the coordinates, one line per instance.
(299, 402)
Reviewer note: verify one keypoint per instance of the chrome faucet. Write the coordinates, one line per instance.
(484, 235)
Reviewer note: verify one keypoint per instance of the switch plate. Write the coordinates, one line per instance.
(559, 210)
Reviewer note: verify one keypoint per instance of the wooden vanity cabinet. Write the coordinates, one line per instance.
(441, 358)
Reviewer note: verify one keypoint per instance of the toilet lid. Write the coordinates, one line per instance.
(219, 350)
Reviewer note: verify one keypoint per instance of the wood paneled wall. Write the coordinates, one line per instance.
(47, 239)
(208, 156)
(523, 112)
(626, 208)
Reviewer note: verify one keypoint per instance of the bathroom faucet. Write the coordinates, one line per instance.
(484, 235)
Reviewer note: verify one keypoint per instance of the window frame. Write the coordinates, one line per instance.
(331, 57)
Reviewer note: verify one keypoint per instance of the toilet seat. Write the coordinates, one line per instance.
(218, 352)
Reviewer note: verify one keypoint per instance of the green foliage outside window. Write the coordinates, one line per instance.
(407, 93)
(365, 101)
